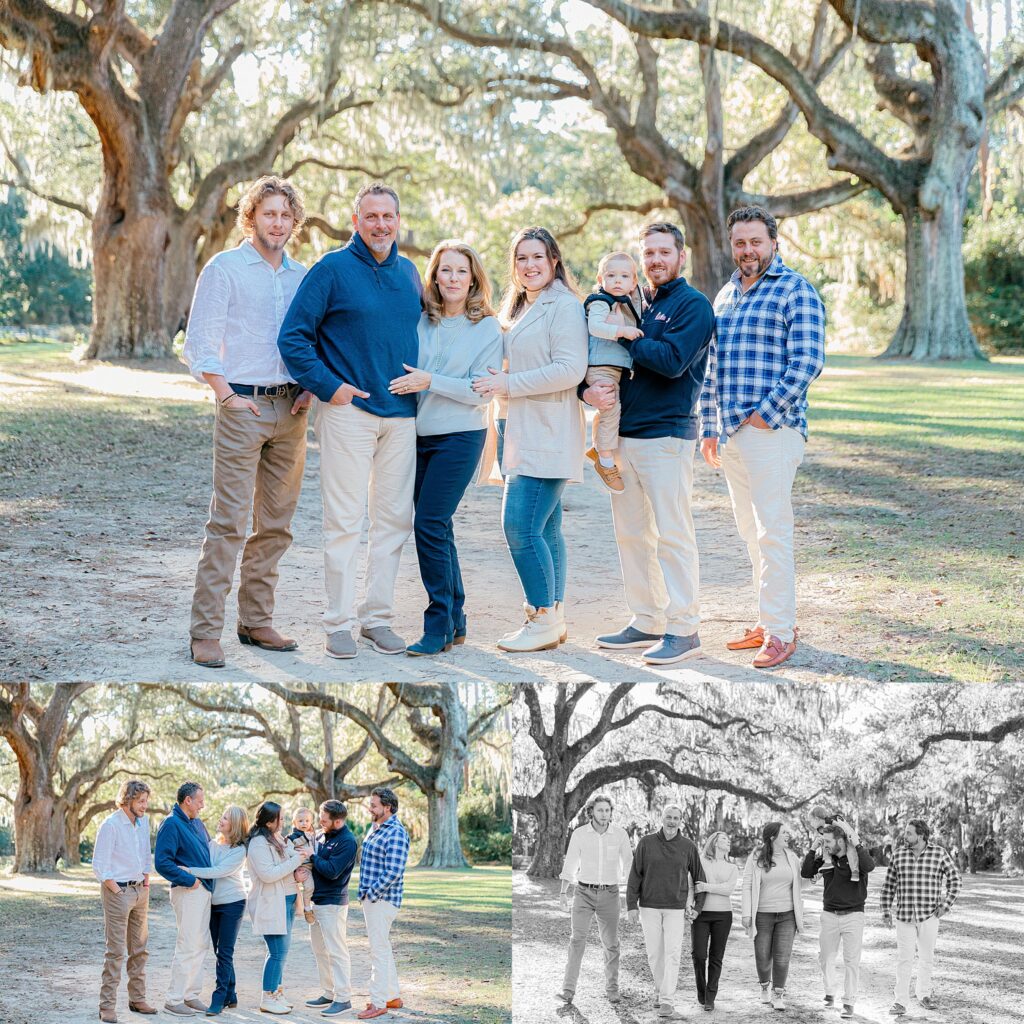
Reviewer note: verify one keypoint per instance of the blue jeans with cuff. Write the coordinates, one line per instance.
(531, 517)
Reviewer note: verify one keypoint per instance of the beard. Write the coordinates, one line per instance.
(378, 244)
(273, 244)
(757, 268)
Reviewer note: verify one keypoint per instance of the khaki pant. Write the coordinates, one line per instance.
(366, 462)
(664, 931)
(192, 914)
(910, 936)
(379, 917)
(327, 936)
(655, 536)
(586, 905)
(760, 466)
(606, 430)
(126, 931)
(848, 929)
(257, 470)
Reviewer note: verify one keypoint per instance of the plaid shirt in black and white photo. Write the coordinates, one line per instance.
(920, 885)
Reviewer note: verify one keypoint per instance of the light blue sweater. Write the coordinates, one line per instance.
(454, 352)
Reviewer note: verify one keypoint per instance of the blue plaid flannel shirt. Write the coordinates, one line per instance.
(769, 347)
(382, 863)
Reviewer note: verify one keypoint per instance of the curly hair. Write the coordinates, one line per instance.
(130, 791)
(268, 185)
(478, 301)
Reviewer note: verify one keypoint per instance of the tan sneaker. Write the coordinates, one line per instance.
(610, 477)
(540, 632)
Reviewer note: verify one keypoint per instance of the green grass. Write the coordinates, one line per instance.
(915, 494)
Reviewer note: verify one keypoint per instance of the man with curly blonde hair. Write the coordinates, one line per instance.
(259, 440)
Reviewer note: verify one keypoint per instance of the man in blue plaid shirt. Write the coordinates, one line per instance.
(770, 346)
(924, 881)
(381, 872)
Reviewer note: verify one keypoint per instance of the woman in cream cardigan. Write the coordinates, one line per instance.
(710, 928)
(773, 907)
(272, 862)
(227, 858)
(546, 358)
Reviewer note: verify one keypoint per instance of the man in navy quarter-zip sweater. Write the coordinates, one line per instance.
(350, 330)
(657, 440)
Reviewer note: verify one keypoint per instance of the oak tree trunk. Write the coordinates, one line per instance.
(38, 829)
(444, 850)
(712, 263)
(934, 323)
(553, 819)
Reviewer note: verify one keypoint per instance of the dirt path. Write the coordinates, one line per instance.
(105, 491)
(979, 972)
(51, 956)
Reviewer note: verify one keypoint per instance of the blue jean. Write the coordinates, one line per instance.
(773, 946)
(225, 920)
(531, 517)
(277, 950)
(445, 465)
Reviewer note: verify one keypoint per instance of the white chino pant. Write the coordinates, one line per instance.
(921, 935)
(663, 938)
(379, 917)
(848, 929)
(655, 536)
(759, 467)
(192, 914)
(329, 939)
(365, 461)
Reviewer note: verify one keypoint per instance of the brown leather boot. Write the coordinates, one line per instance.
(207, 653)
(108, 1016)
(266, 637)
(141, 1006)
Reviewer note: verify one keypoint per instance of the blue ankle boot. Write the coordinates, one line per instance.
(429, 643)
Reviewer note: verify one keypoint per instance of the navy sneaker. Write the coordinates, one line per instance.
(335, 1008)
(672, 649)
(319, 1001)
(628, 637)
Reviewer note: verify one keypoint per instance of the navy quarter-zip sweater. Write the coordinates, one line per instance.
(659, 398)
(658, 877)
(332, 865)
(182, 840)
(353, 321)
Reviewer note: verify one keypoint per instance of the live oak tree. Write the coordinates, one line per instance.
(159, 216)
(542, 61)
(567, 784)
(440, 724)
(56, 796)
(944, 115)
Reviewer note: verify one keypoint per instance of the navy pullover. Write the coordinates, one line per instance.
(179, 841)
(332, 865)
(659, 398)
(353, 321)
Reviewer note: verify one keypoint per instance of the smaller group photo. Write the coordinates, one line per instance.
(242, 855)
(726, 853)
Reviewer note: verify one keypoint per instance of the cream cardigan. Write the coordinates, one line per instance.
(271, 882)
(752, 888)
(546, 356)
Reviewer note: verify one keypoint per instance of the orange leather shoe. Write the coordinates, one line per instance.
(394, 1004)
(371, 1011)
(751, 639)
(774, 652)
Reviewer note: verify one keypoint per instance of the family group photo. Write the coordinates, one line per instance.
(373, 341)
(723, 853)
(229, 852)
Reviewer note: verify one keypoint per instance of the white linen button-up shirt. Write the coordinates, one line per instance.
(122, 849)
(598, 858)
(237, 312)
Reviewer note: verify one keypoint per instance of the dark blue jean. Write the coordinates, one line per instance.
(277, 950)
(225, 920)
(773, 946)
(445, 465)
(531, 516)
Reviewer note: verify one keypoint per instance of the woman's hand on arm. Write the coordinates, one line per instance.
(494, 384)
(411, 382)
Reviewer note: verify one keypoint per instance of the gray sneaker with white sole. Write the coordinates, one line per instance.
(340, 644)
(383, 639)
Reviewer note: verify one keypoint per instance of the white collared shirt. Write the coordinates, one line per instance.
(598, 858)
(122, 849)
(237, 312)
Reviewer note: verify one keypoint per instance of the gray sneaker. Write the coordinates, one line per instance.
(672, 649)
(929, 1003)
(628, 637)
(335, 1008)
(179, 1009)
(340, 645)
(197, 1004)
(666, 1011)
(383, 639)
